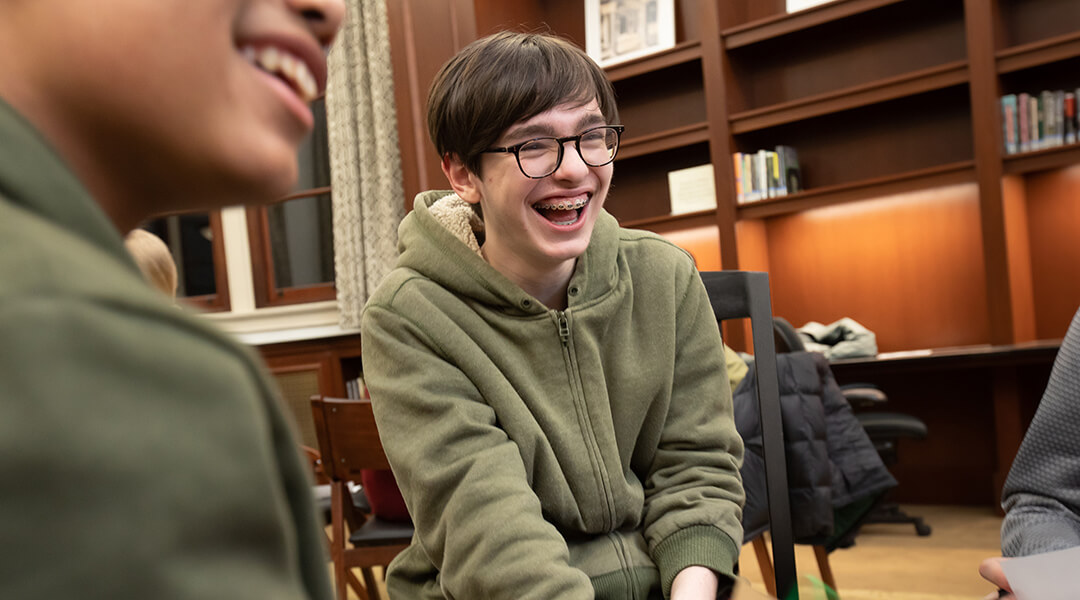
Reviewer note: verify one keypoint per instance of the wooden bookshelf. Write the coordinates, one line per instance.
(950, 174)
(1038, 53)
(786, 23)
(677, 55)
(1042, 160)
(663, 140)
(908, 84)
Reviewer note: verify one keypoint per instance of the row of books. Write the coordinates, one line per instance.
(1037, 121)
(355, 388)
(766, 174)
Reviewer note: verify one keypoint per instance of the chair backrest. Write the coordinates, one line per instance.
(786, 336)
(348, 439)
(740, 295)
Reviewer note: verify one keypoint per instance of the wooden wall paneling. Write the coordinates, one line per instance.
(1053, 210)
(424, 34)
(908, 267)
(499, 15)
(888, 42)
(986, 130)
(702, 242)
(753, 241)
(1018, 244)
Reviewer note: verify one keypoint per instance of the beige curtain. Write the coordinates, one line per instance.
(365, 163)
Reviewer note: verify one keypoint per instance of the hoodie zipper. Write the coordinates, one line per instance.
(578, 396)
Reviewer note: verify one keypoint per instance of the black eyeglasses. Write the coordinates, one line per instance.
(539, 157)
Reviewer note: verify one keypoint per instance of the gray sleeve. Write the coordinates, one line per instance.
(1042, 493)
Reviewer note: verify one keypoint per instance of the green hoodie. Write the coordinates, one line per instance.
(142, 453)
(581, 453)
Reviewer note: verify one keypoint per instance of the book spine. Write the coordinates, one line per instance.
(1045, 111)
(761, 172)
(1033, 121)
(792, 174)
(1009, 123)
(1059, 118)
(1023, 117)
(781, 173)
(736, 167)
(1070, 118)
(749, 183)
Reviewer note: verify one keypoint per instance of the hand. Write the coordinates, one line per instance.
(695, 582)
(991, 570)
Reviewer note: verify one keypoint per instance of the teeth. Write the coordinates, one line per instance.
(564, 204)
(291, 68)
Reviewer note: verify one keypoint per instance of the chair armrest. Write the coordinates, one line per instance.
(863, 395)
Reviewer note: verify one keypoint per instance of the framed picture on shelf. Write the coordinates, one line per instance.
(620, 30)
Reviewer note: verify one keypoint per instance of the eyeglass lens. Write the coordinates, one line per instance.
(541, 157)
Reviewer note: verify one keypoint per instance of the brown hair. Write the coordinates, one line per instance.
(505, 78)
(154, 260)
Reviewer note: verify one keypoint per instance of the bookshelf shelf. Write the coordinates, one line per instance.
(783, 24)
(958, 172)
(909, 84)
(664, 140)
(1041, 160)
(699, 218)
(676, 55)
(1038, 53)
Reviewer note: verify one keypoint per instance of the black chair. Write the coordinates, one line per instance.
(740, 295)
(885, 429)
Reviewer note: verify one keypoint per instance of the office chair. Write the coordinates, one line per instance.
(885, 430)
(740, 295)
(349, 443)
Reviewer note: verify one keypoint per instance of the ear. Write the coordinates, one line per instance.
(462, 180)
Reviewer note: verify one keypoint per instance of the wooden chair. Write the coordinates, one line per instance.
(349, 442)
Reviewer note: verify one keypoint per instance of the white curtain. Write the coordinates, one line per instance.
(365, 162)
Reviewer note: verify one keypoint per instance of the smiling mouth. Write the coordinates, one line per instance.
(564, 212)
(287, 67)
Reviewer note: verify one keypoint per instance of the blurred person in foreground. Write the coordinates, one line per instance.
(142, 452)
(1041, 497)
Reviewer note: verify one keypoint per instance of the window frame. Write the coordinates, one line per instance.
(267, 292)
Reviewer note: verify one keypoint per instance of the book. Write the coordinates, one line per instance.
(761, 173)
(692, 189)
(1070, 117)
(736, 166)
(1023, 116)
(792, 175)
(1009, 123)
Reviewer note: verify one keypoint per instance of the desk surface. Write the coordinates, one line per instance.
(959, 356)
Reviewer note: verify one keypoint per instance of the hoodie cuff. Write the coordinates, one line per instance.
(700, 545)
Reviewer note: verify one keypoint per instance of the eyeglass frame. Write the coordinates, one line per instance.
(561, 142)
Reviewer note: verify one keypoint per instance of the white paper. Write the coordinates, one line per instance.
(1049, 576)
(795, 5)
(692, 189)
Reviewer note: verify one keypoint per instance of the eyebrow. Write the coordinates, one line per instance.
(544, 130)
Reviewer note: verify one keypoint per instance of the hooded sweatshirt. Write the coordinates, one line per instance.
(578, 453)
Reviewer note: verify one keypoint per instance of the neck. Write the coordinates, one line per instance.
(546, 285)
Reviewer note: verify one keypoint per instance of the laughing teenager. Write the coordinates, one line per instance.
(550, 388)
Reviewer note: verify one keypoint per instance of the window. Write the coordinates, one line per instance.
(195, 242)
(292, 240)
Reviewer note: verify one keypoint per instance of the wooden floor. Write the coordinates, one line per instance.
(890, 562)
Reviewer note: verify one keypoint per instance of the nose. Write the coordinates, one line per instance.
(572, 167)
(323, 17)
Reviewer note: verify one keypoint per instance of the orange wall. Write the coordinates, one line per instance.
(908, 267)
(1053, 207)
